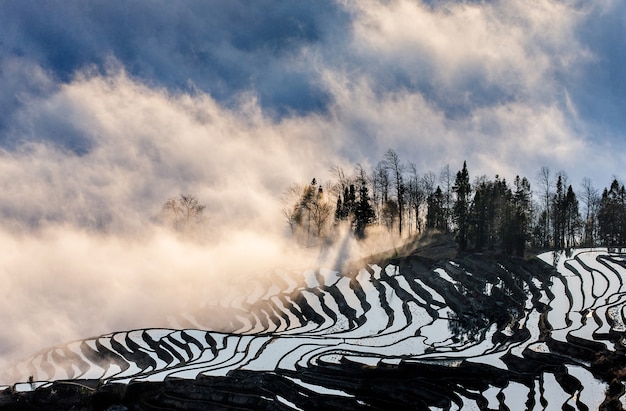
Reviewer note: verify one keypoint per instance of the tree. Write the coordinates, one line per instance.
(345, 209)
(392, 162)
(364, 213)
(478, 224)
(183, 211)
(416, 196)
(544, 180)
(445, 180)
(572, 218)
(612, 215)
(389, 214)
(463, 189)
(522, 206)
(435, 216)
(320, 211)
(496, 218)
(380, 187)
(558, 215)
(591, 198)
(308, 212)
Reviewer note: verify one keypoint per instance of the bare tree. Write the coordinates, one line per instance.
(290, 197)
(428, 182)
(544, 181)
(392, 162)
(307, 210)
(416, 194)
(320, 210)
(183, 211)
(337, 188)
(591, 197)
(446, 180)
(380, 188)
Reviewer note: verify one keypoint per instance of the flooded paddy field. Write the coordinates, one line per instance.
(478, 332)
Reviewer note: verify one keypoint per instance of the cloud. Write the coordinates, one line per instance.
(220, 48)
(84, 252)
(142, 146)
(111, 109)
(64, 283)
(475, 53)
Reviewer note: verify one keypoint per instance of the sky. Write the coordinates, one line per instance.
(109, 108)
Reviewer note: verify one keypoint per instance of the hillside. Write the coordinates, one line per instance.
(420, 330)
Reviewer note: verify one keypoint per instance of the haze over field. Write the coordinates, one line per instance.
(107, 109)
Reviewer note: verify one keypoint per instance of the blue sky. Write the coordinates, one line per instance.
(508, 86)
(259, 94)
(108, 108)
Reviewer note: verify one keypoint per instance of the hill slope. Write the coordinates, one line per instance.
(479, 332)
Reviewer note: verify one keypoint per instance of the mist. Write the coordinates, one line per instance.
(84, 252)
(108, 114)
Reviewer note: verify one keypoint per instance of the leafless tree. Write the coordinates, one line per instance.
(416, 194)
(428, 182)
(380, 188)
(291, 200)
(591, 197)
(392, 162)
(307, 210)
(183, 211)
(321, 210)
(545, 181)
(446, 179)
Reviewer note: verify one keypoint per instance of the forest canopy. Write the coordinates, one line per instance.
(484, 214)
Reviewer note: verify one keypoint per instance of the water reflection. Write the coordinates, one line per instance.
(477, 333)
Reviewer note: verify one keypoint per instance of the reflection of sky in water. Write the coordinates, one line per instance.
(379, 320)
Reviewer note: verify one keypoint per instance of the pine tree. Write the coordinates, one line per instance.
(558, 215)
(522, 215)
(435, 216)
(612, 215)
(572, 218)
(364, 213)
(339, 210)
(463, 189)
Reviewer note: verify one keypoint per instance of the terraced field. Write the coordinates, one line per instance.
(479, 332)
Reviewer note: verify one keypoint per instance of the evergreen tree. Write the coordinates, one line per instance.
(477, 222)
(435, 216)
(498, 217)
(463, 189)
(522, 204)
(612, 215)
(339, 210)
(544, 180)
(311, 214)
(364, 213)
(445, 179)
(558, 215)
(572, 218)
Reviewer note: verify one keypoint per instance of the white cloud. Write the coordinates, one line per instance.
(478, 82)
(514, 45)
(146, 145)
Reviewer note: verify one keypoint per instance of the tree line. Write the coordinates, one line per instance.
(484, 214)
